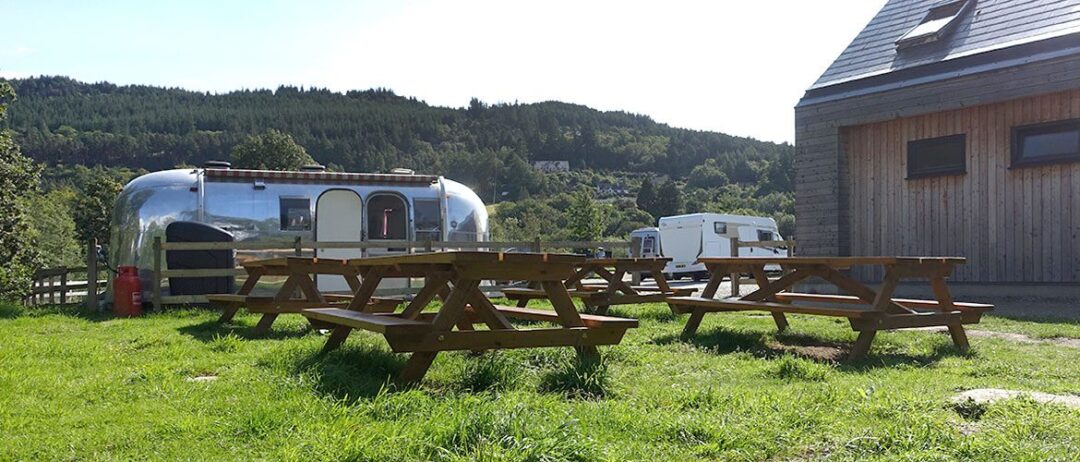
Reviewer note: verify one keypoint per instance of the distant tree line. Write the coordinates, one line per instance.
(60, 121)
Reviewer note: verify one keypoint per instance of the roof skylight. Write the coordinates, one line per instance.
(938, 22)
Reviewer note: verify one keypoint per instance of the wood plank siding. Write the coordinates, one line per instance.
(823, 183)
(1013, 224)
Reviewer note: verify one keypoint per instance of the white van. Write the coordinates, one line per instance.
(685, 238)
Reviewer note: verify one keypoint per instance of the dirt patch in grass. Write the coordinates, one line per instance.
(814, 352)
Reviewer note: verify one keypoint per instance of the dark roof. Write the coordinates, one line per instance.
(993, 34)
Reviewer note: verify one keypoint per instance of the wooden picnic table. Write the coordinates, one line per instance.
(299, 273)
(867, 309)
(615, 291)
(457, 275)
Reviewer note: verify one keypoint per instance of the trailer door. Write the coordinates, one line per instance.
(338, 218)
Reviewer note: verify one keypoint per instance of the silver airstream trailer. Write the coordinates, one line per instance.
(272, 206)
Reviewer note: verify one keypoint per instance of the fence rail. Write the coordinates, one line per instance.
(52, 285)
(299, 246)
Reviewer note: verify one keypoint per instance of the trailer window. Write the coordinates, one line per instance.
(427, 219)
(295, 214)
(647, 245)
(720, 228)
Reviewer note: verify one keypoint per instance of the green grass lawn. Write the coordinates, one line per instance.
(79, 385)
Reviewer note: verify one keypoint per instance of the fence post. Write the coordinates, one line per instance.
(91, 275)
(157, 273)
(735, 276)
(63, 286)
(427, 246)
(52, 295)
(537, 246)
(297, 246)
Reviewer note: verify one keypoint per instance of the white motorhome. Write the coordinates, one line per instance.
(685, 238)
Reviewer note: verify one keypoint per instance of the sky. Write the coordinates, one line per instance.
(736, 67)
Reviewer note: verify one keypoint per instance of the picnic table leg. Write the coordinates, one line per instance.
(368, 285)
(433, 286)
(523, 302)
(264, 324)
(661, 283)
(284, 294)
(337, 337)
(945, 303)
(763, 282)
(452, 310)
(882, 303)
(693, 323)
(229, 311)
(715, 278)
(568, 315)
(862, 344)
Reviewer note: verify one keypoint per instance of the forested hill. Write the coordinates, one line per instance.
(63, 121)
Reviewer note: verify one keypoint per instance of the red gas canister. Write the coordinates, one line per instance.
(127, 292)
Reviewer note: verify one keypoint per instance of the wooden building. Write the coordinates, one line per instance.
(949, 128)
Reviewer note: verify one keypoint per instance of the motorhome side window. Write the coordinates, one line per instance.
(764, 235)
(295, 214)
(427, 219)
(647, 245)
(720, 228)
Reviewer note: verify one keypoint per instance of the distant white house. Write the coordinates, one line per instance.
(552, 165)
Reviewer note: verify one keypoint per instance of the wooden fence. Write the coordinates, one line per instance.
(299, 247)
(65, 284)
(787, 246)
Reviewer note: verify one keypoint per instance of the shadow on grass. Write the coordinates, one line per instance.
(722, 341)
(353, 372)
(208, 331)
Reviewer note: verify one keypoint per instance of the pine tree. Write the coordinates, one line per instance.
(646, 197)
(669, 200)
(584, 218)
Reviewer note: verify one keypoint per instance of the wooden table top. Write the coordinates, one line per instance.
(468, 257)
(830, 261)
(282, 262)
(611, 261)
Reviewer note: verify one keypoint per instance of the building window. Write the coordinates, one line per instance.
(720, 228)
(1046, 143)
(295, 214)
(937, 23)
(946, 155)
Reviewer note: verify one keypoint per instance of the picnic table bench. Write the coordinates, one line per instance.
(298, 272)
(867, 310)
(599, 297)
(457, 275)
